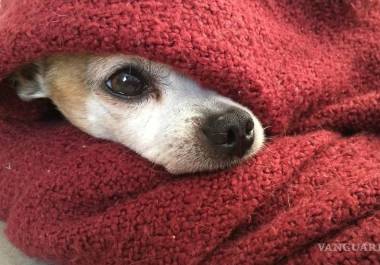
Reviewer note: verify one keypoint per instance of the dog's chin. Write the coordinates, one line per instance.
(176, 169)
(195, 155)
(203, 164)
(201, 157)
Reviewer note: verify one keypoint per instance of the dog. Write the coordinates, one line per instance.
(149, 107)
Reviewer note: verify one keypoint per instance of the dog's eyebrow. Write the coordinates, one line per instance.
(101, 68)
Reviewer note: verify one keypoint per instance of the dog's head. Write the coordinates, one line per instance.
(150, 108)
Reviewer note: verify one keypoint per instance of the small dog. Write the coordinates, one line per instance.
(148, 107)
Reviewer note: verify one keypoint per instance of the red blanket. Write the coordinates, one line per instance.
(308, 69)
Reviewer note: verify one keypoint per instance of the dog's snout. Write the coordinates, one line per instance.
(231, 131)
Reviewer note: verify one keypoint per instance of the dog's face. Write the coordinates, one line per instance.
(150, 108)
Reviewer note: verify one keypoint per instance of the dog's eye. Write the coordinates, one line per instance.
(128, 82)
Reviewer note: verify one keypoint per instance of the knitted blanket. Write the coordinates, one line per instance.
(310, 70)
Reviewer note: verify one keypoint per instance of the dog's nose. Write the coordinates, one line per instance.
(231, 132)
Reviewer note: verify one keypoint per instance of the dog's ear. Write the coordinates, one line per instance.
(29, 82)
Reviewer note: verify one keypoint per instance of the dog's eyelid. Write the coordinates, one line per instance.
(100, 69)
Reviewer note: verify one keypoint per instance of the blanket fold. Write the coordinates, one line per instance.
(309, 71)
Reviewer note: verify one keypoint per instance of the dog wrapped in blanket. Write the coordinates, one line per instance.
(310, 71)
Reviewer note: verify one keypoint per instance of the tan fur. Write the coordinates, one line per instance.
(65, 76)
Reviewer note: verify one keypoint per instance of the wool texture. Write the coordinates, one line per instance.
(310, 70)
